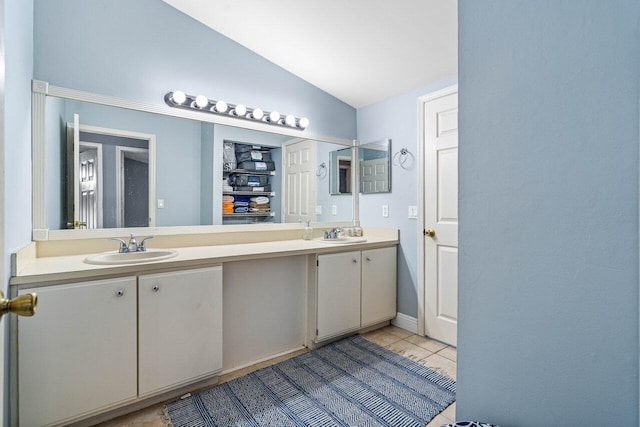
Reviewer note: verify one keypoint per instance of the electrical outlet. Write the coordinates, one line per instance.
(385, 211)
(413, 212)
(160, 203)
(318, 209)
(334, 210)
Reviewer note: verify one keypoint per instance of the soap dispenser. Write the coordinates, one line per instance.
(307, 234)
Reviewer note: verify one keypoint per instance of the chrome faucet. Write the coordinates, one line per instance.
(132, 246)
(333, 234)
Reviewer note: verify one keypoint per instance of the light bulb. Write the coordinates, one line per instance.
(240, 110)
(178, 97)
(290, 120)
(221, 107)
(274, 116)
(303, 123)
(257, 114)
(201, 101)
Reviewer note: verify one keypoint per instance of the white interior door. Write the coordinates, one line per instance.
(374, 176)
(441, 217)
(299, 201)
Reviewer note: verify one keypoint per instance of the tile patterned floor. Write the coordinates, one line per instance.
(433, 354)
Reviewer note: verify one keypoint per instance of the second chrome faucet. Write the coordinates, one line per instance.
(133, 245)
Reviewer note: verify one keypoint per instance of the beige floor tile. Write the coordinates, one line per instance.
(147, 417)
(450, 412)
(440, 364)
(427, 343)
(408, 350)
(439, 420)
(394, 330)
(381, 337)
(235, 374)
(244, 371)
(450, 353)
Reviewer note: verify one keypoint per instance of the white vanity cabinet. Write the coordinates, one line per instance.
(338, 294)
(179, 328)
(354, 290)
(94, 346)
(78, 354)
(378, 286)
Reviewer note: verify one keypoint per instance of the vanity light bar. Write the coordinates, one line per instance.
(179, 99)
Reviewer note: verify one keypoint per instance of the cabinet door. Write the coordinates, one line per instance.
(179, 327)
(338, 294)
(379, 284)
(78, 353)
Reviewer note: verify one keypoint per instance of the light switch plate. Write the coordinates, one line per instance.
(160, 203)
(318, 209)
(385, 211)
(334, 210)
(412, 212)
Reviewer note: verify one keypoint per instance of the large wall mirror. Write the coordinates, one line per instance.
(113, 167)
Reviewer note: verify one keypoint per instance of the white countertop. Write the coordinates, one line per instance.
(44, 270)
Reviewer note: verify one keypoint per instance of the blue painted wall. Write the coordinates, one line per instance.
(548, 279)
(17, 71)
(141, 50)
(396, 118)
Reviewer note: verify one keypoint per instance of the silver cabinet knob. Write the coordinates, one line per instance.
(368, 259)
(155, 288)
(119, 292)
(355, 261)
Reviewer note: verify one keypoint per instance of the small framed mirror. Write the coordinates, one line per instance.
(373, 161)
(340, 171)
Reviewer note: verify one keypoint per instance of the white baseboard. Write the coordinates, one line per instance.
(406, 322)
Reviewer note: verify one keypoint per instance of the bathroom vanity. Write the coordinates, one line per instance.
(107, 339)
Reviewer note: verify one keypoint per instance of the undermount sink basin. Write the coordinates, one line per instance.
(114, 258)
(342, 240)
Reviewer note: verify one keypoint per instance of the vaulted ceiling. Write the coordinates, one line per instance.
(360, 51)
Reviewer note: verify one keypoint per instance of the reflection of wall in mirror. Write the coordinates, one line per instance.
(178, 143)
(327, 196)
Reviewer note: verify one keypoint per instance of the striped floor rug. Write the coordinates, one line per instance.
(352, 382)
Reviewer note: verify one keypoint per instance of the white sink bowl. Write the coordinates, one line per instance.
(342, 240)
(115, 258)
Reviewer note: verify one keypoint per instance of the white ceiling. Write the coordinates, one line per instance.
(360, 51)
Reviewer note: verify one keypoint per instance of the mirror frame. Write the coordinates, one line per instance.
(40, 90)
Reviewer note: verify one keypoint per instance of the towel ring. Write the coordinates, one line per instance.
(322, 170)
(401, 158)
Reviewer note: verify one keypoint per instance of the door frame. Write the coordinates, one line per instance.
(421, 221)
(99, 182)
(151, 139)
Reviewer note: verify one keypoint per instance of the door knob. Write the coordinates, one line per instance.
(22, 305)
(430, 232)
(76, 224)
